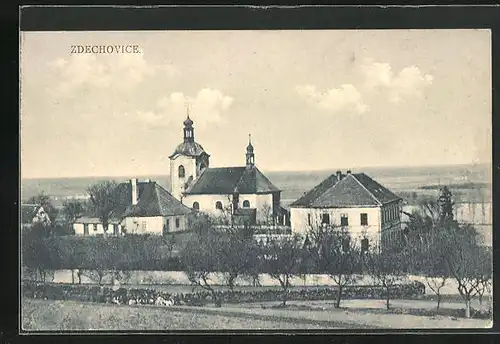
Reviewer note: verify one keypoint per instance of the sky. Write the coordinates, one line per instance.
(312, 100)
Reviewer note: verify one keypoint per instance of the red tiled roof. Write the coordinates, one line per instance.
(227, 180)
(153, 200)
(353, 190)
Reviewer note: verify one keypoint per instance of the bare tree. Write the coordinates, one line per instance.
(103, 201)
(283, 257)
(267, 214)
(239, 255)
(425, 253)
(201, 257)
(334, 252)
(73, 209)
(388, 268)
(466, 261)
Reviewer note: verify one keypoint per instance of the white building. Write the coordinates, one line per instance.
(242, 191)
(353, 201)
(141, 208)
(32, 214)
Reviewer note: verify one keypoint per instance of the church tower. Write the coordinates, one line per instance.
(250, 156)
(187, 162)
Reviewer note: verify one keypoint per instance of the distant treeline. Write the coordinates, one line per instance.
(457, 186)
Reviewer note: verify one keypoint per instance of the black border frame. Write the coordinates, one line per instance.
(237, 17)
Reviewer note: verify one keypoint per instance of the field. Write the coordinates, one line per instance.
(471, 183)
(40, 315)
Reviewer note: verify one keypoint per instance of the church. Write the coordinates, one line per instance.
(242, 193)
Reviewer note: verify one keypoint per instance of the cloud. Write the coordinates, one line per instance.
(120, 72)
(207, 106)
(344, 98)
(409, 82)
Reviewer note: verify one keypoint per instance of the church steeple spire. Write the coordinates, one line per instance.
(250, 156)
(188, 128)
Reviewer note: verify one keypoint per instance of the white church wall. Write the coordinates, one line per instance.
(207, 202)
(177, 184)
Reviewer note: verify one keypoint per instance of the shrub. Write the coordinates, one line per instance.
(101, 294)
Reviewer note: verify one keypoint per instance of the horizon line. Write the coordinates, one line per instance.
(267, 171)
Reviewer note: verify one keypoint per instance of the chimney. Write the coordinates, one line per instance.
(348, 172)
(339, 175)
(133, 182)
(146, 180)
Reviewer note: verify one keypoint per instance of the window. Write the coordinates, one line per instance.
(364, 245)
(218, 205)
(115, 229)
(85, 229)
(95, 227)
(196, 206)
(167, 224)
(309, 219)
(325, 219)
(182, 172)
(144, 225)
(246, 204)
(177, 222)
(364, 219)
(344, 220)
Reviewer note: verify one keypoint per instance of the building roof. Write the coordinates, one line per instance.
(353, 190)
(28, 212)
(189, 149)
(227, 180)
(153, 200)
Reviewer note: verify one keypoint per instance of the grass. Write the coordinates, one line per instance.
(40, 315)
(72, 315)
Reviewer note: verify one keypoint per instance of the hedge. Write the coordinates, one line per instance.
(101, 294)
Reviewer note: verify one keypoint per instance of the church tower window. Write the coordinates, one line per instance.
(182, 171)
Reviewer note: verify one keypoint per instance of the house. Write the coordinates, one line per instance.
(32, 214)
(242, 192)
(354, 202)
(141, 208)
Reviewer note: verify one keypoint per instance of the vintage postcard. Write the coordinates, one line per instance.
(256, 180)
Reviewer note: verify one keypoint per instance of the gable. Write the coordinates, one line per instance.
(346, 193)
(353, 190)
(316, 192)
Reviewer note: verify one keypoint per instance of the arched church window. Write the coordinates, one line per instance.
(182, 172)
(246, 204)
(218, 205)
(196, 206)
